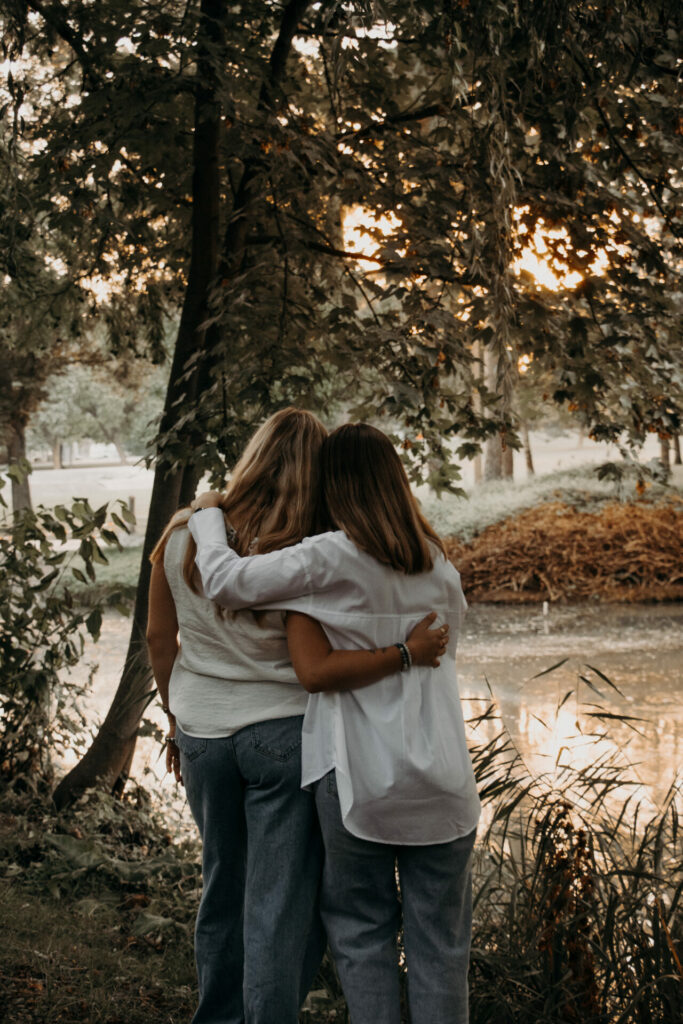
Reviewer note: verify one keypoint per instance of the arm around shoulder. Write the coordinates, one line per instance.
(236, 582)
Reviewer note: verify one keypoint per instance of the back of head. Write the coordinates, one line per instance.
(274, 491)
(368, 496)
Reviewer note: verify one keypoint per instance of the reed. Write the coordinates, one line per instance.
(578, 881)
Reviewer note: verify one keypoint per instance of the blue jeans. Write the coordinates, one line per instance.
(258, 936)
(362, 913)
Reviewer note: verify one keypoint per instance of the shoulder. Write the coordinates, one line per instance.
(175, 545)
(324, 547)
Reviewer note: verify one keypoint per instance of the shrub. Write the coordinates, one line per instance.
(42, 629)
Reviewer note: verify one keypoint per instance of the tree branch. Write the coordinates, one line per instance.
(56, 16)
(419, 114)
(629, 160)
(236, 232)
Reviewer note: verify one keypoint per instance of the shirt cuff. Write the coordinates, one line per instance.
(207, 526)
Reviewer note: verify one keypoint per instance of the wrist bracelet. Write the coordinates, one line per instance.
(171, 739)
(406, 660)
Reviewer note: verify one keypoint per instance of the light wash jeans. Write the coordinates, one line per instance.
(258, 936)
(362, 913)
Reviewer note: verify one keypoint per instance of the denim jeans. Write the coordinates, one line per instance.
(258, 936)
(362, 913)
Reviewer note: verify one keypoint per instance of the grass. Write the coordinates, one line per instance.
(115, 583)
(578, 896)
(101, 906)
(72, 962)
(492, 502)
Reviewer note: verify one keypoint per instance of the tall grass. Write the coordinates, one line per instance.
(577, 893)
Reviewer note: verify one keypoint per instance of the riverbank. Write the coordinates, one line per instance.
(614, 552)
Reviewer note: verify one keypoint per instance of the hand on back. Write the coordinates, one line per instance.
(427, 645)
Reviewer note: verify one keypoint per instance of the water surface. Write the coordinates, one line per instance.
(549, 717)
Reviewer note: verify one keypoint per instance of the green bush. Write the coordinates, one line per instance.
(43, 630)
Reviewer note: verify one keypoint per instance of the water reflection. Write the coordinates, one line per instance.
(616, 697)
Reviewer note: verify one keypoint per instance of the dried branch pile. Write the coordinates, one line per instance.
(626, 552)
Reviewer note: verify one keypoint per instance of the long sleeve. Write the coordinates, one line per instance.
(236, 582)
(457, 605)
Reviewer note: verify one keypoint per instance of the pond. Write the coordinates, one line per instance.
(556, 715)
(562, 714)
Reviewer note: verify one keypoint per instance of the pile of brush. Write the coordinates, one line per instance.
(626, 552)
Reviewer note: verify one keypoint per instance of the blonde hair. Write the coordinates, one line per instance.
(368, 496)
(273, 493)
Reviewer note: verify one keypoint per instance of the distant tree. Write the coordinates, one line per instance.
(116, 404)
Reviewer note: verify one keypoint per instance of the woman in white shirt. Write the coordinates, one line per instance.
(235, 711)
(393, 781)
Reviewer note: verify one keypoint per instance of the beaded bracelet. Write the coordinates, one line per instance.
(406, 660)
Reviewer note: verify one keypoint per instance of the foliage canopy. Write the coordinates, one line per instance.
(468, 135)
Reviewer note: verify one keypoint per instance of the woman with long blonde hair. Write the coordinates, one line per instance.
(235, 712)
(389, 765)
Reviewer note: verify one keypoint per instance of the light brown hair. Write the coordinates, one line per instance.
(367, 495)
(273, 493)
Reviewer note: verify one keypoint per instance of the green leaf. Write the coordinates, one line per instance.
(93, 623)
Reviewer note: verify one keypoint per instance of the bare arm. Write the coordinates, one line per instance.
(162, 647)
(322, 669)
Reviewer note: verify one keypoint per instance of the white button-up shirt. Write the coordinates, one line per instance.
(403, 770)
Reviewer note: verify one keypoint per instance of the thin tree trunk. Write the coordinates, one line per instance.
(508, 462)
(677, 449)
(16, 455)
(493, 458)
(526, 444)
(665, 454)
(478, 462)
(120, 451)
(493, 449)
(57, 454)
(107, 762)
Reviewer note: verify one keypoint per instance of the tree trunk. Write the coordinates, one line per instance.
(677, 449)
(123, 458)
(109, 758)
(57, 454)
(665, 455)
(478, 466)
(508, 461)
(107, 762)
(16, 456)
(493, 458)
(493, 448)
(526, 444)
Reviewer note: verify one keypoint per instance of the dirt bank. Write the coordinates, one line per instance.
(631, 551)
